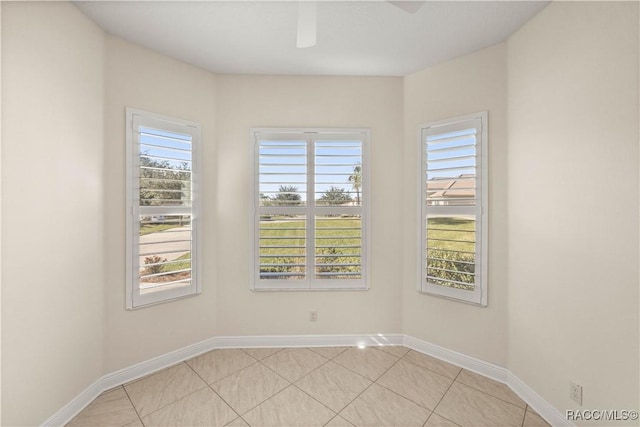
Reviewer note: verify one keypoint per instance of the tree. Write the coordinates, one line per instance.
(287, 195)
(265, 200)
(356, 181)
(162, 183)
(335, 196)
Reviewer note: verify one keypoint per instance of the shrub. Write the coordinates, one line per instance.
(341, 259)
(153, 269)
(282, 267)
(448, 265)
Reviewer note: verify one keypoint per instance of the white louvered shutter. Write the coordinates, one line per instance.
(310, 194)
(163, 208)
(454, 219)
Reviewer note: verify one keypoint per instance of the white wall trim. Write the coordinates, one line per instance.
(533, 399)
(310, 341)
(478, 366)
(71, 409)
(498, 373)
(122, 376)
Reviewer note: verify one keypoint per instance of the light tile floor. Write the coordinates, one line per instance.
(329, 386)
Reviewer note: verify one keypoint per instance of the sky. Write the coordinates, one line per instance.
(286, 162)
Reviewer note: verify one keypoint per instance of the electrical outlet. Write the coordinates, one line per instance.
(575, 393)
(313, 316)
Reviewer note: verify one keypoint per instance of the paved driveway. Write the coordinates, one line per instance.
(175, 242)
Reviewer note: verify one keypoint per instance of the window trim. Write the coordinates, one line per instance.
(134, 119)
(310, 283)
(479, 295)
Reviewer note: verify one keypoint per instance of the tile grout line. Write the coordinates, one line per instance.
(259, 362)
(405, 397)
(228, 375)
(304, 376)
(409, 399)
(460, 382)
(286, 379)
(134, 406)
(358, 373)
(176, 401)
(432, 370)
(330, 358)
(335, 414)
(270, 396)
(440, 401)
(317, 367)
(152, 374)
(525, 415)
(262, 401)
(369, 386)
(400, 395)
(216, 393)
(489, 394)
(334, 417)
(170, 403)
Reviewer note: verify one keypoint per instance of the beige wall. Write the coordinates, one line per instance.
(0, 214)
(138, 78)
(288, 101)
(469, 84)
(573, 203)
(563, 281)
(52, 210)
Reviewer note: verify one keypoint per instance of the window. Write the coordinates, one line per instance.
(453, 200)
(162, 208)
(310, 194)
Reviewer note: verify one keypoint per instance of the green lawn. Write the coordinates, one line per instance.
(450, 252)
(166, 223)
(154, 228)
(164, 271)
(282, 247)
(185, 262)
(451, 247)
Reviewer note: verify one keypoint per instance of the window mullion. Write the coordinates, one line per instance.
(311, 229)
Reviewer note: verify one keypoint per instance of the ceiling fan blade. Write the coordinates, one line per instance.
(408, 6)
(307, 22)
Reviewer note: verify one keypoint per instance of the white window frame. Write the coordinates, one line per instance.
(479, 295)
(310, 283)
(134, 120)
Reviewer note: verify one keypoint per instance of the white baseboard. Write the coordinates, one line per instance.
(126, 375)
(150, 366)
(369, 340)
(467, 362)
(71, 409)
(131, 373)
(498, 373)
(533, 399)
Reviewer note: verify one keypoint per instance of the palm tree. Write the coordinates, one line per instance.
(356, 181)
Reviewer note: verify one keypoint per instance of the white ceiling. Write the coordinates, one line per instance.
(368, 38)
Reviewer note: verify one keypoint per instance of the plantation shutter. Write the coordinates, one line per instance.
(163, 205)
(309, 194)
(454, 190)
(338, 208)
(282, 221)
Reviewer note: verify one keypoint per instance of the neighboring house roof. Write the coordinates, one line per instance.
(459, 187)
